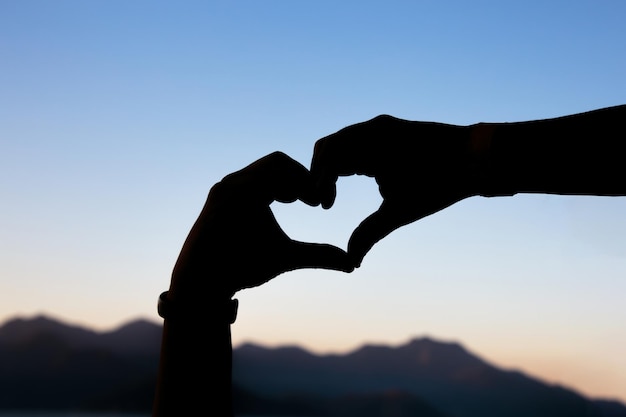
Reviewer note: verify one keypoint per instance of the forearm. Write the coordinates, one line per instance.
(581, 154)
(194, 375)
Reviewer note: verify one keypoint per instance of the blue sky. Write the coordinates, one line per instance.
(116, 117)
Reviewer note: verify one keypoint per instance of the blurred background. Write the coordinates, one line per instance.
(116, 118)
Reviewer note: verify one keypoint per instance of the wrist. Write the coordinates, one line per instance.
(488, 164)
(195, 359)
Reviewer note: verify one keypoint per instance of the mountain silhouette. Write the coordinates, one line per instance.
(49, 365)
(444, 375)
(137, 336)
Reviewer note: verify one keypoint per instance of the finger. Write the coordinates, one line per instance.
(346, 152)
(333, 153)
(326, 187)
(324, 170)
(275, 177)
(318, 255)
(389, 217)
(371, 230)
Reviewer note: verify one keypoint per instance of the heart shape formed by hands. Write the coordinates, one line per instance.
(236, 243)
(357, 198)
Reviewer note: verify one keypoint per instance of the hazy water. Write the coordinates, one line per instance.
(86, 414)
(65, 414)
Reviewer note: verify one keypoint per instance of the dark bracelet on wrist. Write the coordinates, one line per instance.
(167, 309)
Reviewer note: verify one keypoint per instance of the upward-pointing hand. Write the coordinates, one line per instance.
(236, 242)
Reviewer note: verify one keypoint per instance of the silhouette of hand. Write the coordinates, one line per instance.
(420, 168)
(236, 242)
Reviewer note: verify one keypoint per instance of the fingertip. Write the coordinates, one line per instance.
(328, 193)
(356, 256)
(371, 230)
(325, 186)
(348, 267)
(341, 262)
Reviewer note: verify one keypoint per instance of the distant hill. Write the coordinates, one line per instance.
(134, 337)
(447, 377)
(46, 364)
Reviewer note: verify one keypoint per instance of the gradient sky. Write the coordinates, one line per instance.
(116, 117)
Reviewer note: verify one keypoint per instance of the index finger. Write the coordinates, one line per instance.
(274, 177)
(351, 150)
(346, 152)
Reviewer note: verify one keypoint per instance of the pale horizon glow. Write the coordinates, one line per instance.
(117, 117)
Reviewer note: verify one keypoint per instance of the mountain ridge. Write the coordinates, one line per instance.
(134, 334)
(116, 370)
(423, 368)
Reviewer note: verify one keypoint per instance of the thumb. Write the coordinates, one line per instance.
(318, 255)
(388, 217)
(375, 227)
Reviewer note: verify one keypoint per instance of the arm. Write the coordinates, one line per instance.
(581, 154)
(195, 367)
(235, 243)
